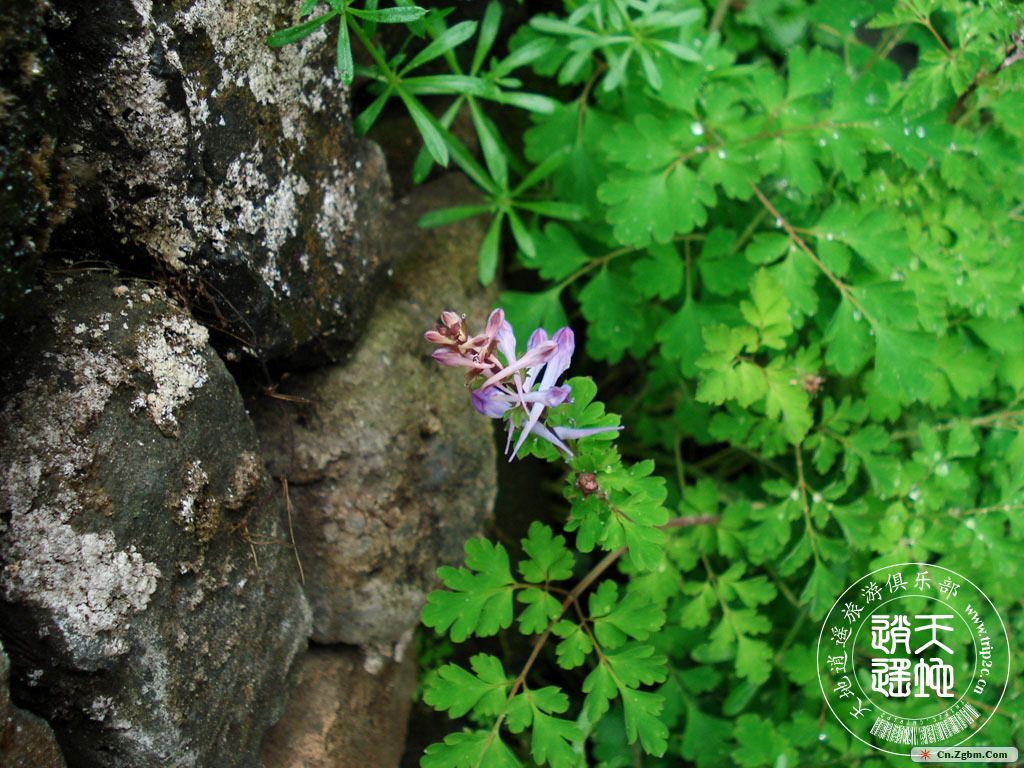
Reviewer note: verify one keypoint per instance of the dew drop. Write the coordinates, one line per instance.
(697, 129)
(822, 143)
(830, 237)
(896, 276)
(906, 130)
(915, 263)
(857, 315)
(942, 470)
(778, 223)
(920, 131)
(721, 154)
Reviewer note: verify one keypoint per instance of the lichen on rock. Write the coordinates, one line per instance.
(127, 551)
(229, 164)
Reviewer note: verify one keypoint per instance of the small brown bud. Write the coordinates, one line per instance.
(811, 383)
(586, 482)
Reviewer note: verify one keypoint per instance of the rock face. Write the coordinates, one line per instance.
(389, 467)
(230, 164)
(341, 716)
(134, 508)
(26, 741)
(35, 193)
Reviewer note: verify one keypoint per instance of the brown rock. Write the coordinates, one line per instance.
(390, 469)
(26, 741)
(342, 716)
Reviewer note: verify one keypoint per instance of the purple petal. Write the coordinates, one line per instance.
(544, 433)
(568, 433)
(452, 358)
(550, 397)
(535, 356)
(531, 422)
(490, 402)
(537, 338)
(494, 323)
(565, 345)
(506, 341)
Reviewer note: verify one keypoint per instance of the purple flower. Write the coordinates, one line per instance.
(528, 383)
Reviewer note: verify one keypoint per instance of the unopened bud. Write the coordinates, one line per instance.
(586, 482)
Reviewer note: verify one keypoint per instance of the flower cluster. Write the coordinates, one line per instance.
(508, 384)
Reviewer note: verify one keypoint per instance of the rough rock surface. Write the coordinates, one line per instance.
(231, 164)
(389, 467)
(26, 741)
(34, 193)
(132, 509)
(341, 716)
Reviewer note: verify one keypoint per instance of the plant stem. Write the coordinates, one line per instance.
(844, 289)
(719, 17)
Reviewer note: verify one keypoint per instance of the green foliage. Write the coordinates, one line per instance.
(796, 225)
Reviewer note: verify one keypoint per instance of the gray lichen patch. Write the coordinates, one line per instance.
(88, 583)
(121, 550)
(254, 198)
(229, 164)
(170, 351)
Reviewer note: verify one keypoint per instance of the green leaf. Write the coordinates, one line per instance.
(787, 399)
(447, 41)
(548, 559)
(705, 739)
(494, 154)
(903, 363)
(848, 340)
(759, 743)
(397, 15)
(343, 55)
(488, 32)
(470, 749)
(658, 273)
(293, 34)
(634, 616)
(541, 609)
(534, 310)
(769, 311)
(479, 596)
(487, 266)
(428, 128)
(753, 659)
(642, 710)
(636, 664)
(822, 590)
(655, 206)
(457, 691)
(444, 216)
(521, 235)
(612, 307)
(575, 645)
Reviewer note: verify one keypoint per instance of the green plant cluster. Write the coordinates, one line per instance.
(799, 227)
